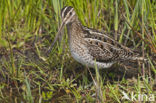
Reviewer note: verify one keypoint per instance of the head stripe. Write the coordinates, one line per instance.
(69, 17)
(65, 11)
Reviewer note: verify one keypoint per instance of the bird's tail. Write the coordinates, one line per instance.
(139, 58)
(135, 57)
(129, 55)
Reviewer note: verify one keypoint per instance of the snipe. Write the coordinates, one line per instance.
(89, 46)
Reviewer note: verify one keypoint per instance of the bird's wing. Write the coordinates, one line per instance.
(102, 36)
(106, 52)
(102, 51)
(105, 48)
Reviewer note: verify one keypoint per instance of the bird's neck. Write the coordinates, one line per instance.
(75, 29)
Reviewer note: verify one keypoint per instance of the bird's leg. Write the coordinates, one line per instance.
(97, 86)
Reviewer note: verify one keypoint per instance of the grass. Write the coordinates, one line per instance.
(29, 75)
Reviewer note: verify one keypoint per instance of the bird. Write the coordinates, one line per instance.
(89, 46)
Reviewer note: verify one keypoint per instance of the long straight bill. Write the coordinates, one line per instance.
(57, 36)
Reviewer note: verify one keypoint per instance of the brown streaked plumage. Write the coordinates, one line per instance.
(89, 46)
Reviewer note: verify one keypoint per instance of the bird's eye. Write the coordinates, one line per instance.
(70, 13)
